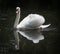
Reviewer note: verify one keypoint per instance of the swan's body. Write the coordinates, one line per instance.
(32, 21)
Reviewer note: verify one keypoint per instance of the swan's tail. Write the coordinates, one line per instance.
(44, 26)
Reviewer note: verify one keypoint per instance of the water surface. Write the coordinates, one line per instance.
(48, 45)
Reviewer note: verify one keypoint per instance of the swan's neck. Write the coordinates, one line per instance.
(17, 19)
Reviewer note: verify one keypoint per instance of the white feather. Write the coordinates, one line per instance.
(44, 26)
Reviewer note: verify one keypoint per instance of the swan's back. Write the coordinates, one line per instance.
(31, 21)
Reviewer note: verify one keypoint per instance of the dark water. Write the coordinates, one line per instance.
(49, 45)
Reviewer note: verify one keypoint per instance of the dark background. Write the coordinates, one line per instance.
(34, 5)
(52, 4)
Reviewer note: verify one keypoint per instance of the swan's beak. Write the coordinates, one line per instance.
(16, 11)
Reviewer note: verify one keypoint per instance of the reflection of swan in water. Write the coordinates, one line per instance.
(32, 21)
(33, 35)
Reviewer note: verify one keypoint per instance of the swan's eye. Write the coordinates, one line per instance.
(16, 10)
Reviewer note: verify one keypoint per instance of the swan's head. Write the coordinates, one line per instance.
(17, 10)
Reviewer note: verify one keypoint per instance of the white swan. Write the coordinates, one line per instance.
(32, 21)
